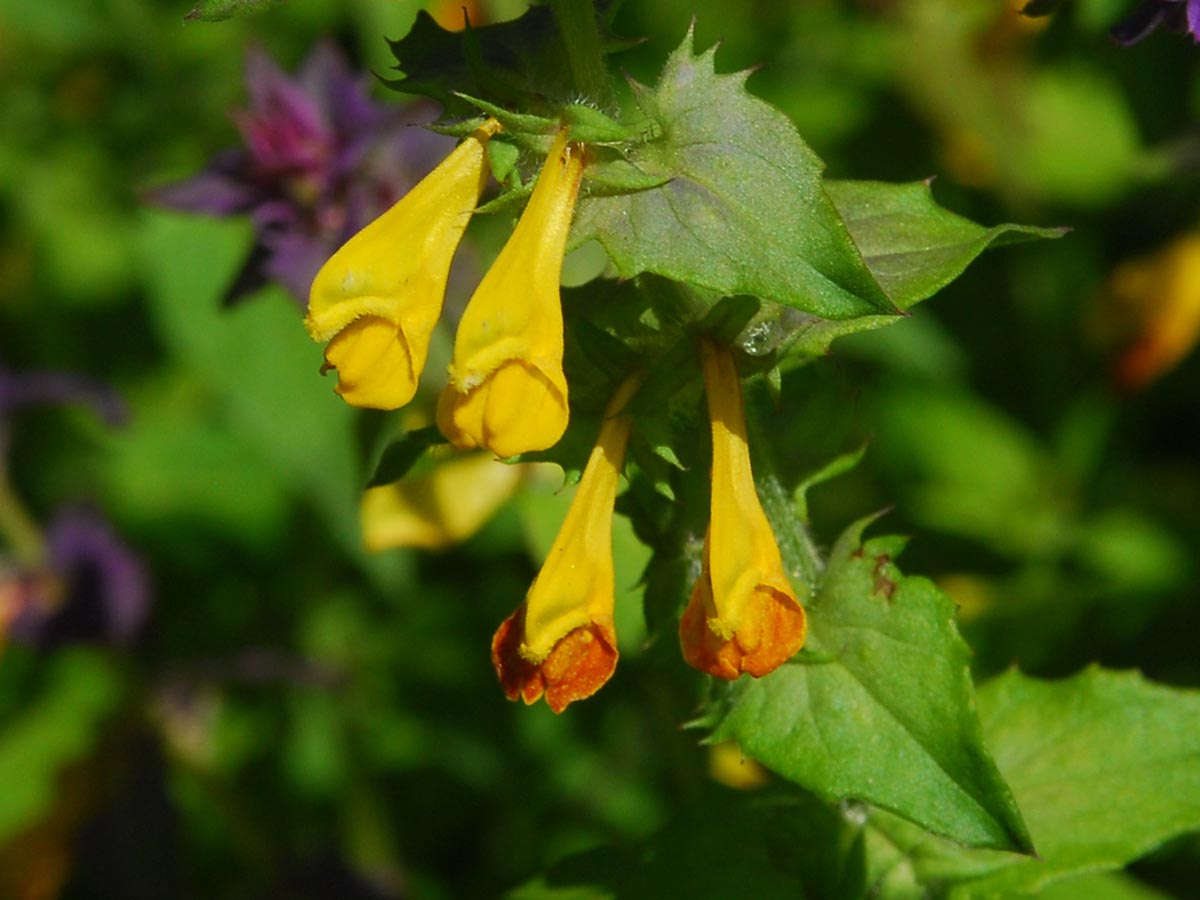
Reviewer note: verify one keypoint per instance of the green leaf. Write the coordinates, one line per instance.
(404, 453)
(256, 360)
(786, 847)
(913, 247)
(180, 465)
(618, 175)
(744, 211)
(880, 707)
(220, 10)
(1105, 766)
(839, 465)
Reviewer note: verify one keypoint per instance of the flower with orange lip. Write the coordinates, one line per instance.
(507, 391)
(560, 642)
(378, 298)
(743, 615)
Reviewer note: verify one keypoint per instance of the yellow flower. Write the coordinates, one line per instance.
(730, 767)
(560, 642)
(507, 391)
(743, 615)
(444, 507)
(1162, 292)
(379, 297)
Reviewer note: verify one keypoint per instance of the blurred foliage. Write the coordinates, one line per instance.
(303, 719)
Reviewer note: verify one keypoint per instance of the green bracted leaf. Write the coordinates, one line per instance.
(744, 211)
(521, 123)
(594, 127)
(881, 706)
(502, 159)
(913, 247)
(402, 454)
(220, 10)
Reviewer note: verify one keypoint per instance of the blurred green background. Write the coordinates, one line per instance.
(300, 718)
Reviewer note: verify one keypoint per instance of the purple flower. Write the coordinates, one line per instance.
(77, 580)
(90, 586)
(1176, 15)
(320, 160)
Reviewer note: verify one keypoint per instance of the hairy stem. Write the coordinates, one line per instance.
(580, 30)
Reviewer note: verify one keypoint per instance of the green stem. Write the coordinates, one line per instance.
(796, 545)
(577, 22)
(17, 527)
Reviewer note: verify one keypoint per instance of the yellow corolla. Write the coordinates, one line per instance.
(560, 642)
(379, 297)
(438, 509)
(507, 391)
(743, 615)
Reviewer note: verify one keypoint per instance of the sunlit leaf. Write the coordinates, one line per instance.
(744, 211)
(913, 247)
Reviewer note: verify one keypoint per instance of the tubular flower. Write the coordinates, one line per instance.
(507, 391)
(379, 297)
(439, 509)
(743, 615)
(560, 642)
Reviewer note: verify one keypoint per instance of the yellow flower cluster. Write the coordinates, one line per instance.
(376, 302)
(743, 616)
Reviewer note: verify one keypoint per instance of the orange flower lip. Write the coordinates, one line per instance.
(772, 629)
(743, 615)
(579, 665)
